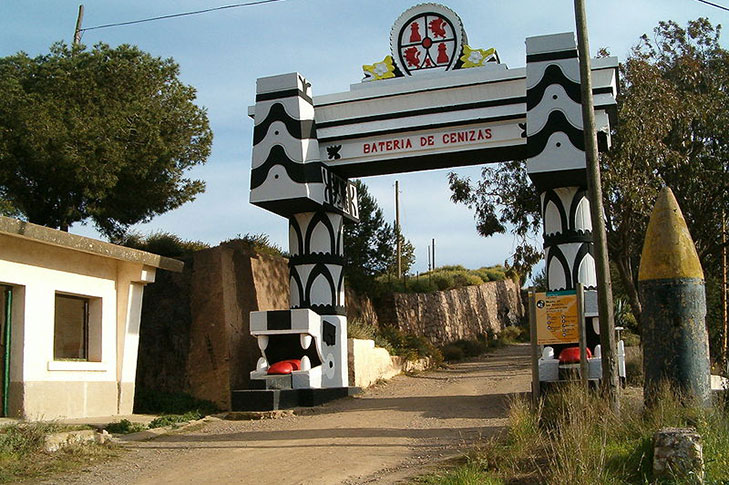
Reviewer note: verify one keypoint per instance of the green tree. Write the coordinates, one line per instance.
(674, 130)
(369, 245)
(105, 134)
(504, 198)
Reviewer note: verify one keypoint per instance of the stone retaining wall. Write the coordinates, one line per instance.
(461, 313)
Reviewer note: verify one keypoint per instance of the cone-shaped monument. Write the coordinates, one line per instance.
(671, 281)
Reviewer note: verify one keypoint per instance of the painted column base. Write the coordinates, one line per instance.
(275, 399)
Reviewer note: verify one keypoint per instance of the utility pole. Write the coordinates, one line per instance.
(77, 32)
(602, 265)
(724, 358)
(397, 230)
(429, 266)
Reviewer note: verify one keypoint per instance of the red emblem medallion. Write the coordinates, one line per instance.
(427, 38)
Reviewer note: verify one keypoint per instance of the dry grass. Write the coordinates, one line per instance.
(574, 437)
(22, 456)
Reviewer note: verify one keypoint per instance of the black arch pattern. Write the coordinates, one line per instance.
(553, 74)
(556, 253)
(298, 172)
(585, 249)
(323, 260)
(576, 199)
(556, 121)
(299, 129)
(551, 196)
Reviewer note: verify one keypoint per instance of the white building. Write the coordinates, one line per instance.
(70, 322)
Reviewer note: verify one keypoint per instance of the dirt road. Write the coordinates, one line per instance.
(381, 437)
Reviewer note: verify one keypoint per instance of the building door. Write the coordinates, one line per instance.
(6, 304)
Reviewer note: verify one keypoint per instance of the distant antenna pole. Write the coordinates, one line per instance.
(433, 254)
(397, 229)
(429, 266)
(77, 32)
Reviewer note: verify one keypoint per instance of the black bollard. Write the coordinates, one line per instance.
(673, 328)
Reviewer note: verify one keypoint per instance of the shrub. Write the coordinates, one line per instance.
(452, 352)
(443, 280)
(162, 243)
(124, 427)
(422, 285)
(174, 419)
(409, 346)
(259, 243)
(357, 328)
(512, 334)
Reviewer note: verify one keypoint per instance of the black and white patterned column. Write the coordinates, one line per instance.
(557, 159)
(317, 282)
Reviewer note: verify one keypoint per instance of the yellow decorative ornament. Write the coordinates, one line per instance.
(478, 57)
(379, 70)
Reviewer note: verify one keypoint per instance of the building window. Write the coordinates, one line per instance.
(76, 330)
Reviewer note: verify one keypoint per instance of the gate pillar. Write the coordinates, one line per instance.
(288, 178)
(556, 165)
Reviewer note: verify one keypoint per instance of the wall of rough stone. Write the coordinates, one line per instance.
(461, 313)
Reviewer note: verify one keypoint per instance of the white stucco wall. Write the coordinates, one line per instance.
(42, 387)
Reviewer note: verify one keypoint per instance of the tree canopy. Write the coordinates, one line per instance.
(369, 245)
(104, 134)
(673, 130)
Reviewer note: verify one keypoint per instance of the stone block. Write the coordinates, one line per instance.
(678, 455)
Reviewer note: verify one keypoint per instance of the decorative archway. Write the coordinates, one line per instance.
(434, 102)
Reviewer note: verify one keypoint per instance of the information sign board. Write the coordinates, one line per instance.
(557, 318)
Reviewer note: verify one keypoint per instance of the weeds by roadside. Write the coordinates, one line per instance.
(573, 437)
(396, 342)
(22, 454)
(483, 343)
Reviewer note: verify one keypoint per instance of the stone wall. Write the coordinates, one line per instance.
(195, 329)
(461, 313)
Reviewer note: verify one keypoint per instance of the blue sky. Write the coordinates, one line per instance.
(222, 53)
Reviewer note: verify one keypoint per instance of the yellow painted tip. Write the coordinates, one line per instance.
(668, 250)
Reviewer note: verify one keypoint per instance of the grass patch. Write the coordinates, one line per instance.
(174, 419)
(22, 456)
(467, 474)
(573, 437)
(124, 427)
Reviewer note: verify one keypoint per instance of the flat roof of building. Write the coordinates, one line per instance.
(54, 237)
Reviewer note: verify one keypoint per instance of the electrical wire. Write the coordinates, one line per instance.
(183, 14)
(714, 4)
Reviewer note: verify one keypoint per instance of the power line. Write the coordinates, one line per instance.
(183, 14)
(714, 4)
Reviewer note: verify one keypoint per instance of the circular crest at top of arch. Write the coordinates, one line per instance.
(426, 38)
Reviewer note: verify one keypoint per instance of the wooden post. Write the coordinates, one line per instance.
(584, 367)
(536, 391)
(724, 357)
(397, 230)
(602, 266)
(77, 31)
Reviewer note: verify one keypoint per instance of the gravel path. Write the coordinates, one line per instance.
(389, 433)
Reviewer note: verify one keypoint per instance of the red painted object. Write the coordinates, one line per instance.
(571, 355)
(285, 367)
